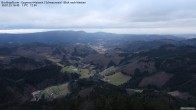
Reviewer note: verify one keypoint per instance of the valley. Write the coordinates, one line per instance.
(89, 71)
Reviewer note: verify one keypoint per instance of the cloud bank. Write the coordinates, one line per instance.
(128, 16)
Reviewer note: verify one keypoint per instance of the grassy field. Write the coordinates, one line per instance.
(53, 59)
(108, 70)
(133, 91)
(55, 91)
(117, 78)
(178, 94)
(59, 64)
(84, 73)
(69, 69)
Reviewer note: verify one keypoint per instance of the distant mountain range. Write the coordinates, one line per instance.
(53, 37)
(136, 46)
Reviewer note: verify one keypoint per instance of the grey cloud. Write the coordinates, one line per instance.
(132, 14)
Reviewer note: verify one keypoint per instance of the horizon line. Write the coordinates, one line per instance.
(141, 31)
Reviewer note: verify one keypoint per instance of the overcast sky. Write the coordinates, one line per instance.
(118, 16)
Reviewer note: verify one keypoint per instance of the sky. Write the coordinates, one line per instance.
(115, 16)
